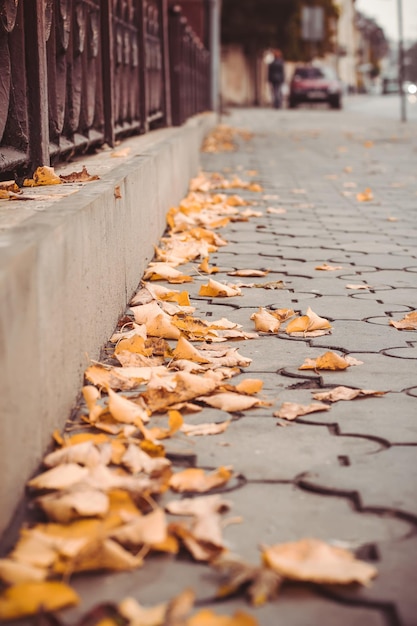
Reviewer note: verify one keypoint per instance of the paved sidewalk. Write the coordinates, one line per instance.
(348, 475)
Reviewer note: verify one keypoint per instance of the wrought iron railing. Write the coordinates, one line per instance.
(79, 73)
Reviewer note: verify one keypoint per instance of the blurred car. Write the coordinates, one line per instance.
(315, 84)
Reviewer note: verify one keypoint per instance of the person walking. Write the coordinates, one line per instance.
(276, 78)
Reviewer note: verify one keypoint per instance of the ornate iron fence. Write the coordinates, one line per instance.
(79, 73)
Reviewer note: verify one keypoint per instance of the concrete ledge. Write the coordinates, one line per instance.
(66, 274)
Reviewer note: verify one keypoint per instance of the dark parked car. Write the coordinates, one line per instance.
(315, 84)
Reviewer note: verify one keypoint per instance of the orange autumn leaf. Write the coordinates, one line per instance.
(162, 326)
(250, 386)
(248, 273)
(126, 411)
(292, 410)
(327, 361)
(175, 423)
(315, 561)
(27, 599)
(135, 344)
(232, 402)
(143, 529)
(43, 175)
(219, 290)
(164, 271)
(409, 322)
(328, 268)
(307, 323)
(265, 321)
(185, 350)
(197, 430)
(365, 196)
(196, 479)
(80, 177)
(205, 268)
(91, 396)
(346, 393)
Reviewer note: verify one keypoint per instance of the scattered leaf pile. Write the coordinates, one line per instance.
(108, 492)
(223, 139)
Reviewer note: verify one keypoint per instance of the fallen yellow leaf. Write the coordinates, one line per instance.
(207, 617)
(365, 196)
(315, 561)
(307, 323)
(43, 175)
(28, 598)
(196, 479)
(219, 290)
(409, 322)
(327, 361)
(292, 410)
(346, 393)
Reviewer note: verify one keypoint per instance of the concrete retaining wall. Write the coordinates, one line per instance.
(66, 274)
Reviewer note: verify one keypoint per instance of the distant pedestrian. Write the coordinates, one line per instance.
(276, 78)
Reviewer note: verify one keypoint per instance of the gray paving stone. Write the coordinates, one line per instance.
(374, 417)
(359, 336)
(263, 451)
(387, 480)
(276, 513)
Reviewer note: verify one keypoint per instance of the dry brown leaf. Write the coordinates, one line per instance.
(350, 286)
(409, 322)
(195, 479)
(84, 453)
(13, 573)
(365, 196)
(248, 273)
(213, 428)
(327, 361)
(187, 387)
(144, 529)
(79, 177)
(98, 555)
(207, 524)
(260, 583)
(328, 268)
(138, 615)
(69, 505)
(185, 350)
(232, 402)
(137, 460)
(292, 410)
(219, 290)
(104, 376)
(307, 323)
(265, 321)
(43, 175)
(135, 343)
(60, 477)
(164, 271)
(250, 386)
(29, 598)
(206, 269)
(346, 393)
(175, 424)
(127, 411)
(315, 561)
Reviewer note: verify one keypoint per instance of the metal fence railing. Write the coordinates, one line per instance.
(79, 73)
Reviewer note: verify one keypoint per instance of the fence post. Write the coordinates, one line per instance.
(107, 51)
(165, 62)
(37, 82)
